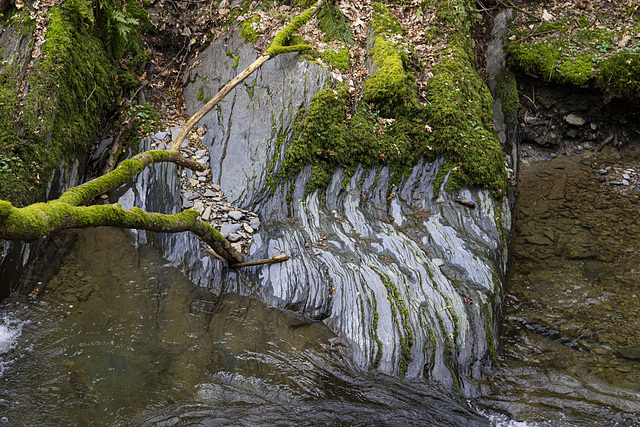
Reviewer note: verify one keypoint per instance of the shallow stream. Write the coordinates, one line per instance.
(117, 338)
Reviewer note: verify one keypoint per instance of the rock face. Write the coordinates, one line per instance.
(410, 281)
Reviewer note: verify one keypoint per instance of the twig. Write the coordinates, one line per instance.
(274, 259)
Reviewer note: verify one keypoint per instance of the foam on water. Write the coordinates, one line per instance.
(10, 330)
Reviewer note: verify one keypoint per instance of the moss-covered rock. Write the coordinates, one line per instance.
(69, 88)
(391, 127)
(573, 49)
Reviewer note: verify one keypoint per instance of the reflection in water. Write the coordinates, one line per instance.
(116, 338)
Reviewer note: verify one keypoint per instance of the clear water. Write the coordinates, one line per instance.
(118, 338)
(572, 307)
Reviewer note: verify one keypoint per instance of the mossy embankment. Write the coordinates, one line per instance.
(392, 124)
(69, 89)
(596, 46)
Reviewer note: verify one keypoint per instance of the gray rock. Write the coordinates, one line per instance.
(247, 228)
(234, 238)
(103, 146)
(254, 223)
(200, 153)
(209, 193)
(227, 229)
(236, 215)
(631, 352)
(206, 215)
(438, 262)
(572, 119)
(160, 135)
(187, 204)
(194, 196)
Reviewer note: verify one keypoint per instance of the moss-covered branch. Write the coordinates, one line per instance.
(40, 219)
(123, 174)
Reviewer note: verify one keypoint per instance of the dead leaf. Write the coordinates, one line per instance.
(546, 16)
(623, 41)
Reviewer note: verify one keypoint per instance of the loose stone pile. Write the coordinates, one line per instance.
(621, 179)
(199, 193)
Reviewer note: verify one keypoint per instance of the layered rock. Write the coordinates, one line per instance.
(411, 281)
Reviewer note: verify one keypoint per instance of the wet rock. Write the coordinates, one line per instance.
(254, 223)
(227, 229)
(631, 352)
(233, 238)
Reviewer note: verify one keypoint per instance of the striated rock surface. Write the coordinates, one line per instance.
(410, 281)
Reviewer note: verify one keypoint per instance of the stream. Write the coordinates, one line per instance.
(117, 337)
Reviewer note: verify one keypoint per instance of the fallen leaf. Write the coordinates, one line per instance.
(623, 41)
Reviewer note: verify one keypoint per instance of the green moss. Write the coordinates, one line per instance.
(390, 127)
(507, 90)
(619, 76)
(200, 96)
(236, 60)
(383, 22)
(282, 41)
(338, 60)
(390, 88)
(70, 85)
(378, 358)
(248, 32)
(460, 113)
(577, 53)
(139, 13)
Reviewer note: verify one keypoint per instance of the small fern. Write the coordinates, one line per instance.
(118, 28)
(334, 24)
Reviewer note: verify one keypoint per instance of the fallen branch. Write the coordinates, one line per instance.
(277, 47)
(274, 259)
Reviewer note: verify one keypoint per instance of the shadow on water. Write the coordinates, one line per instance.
(118, 338)
(570, 348)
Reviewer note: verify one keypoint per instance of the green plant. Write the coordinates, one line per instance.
(118, 28)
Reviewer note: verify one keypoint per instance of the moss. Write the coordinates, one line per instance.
(70, 85)
(383, 22)
(200, 96)
(507, 90)
(139, 13)
(378, 358)
(236, 60)
(460, 113)
(577, 53)
(390, 127)
(338, 60)
(117, 177)
(619, 76)
(247, 30)
(282, 41)
(391, 90)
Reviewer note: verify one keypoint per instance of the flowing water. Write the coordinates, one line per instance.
(118, 338)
